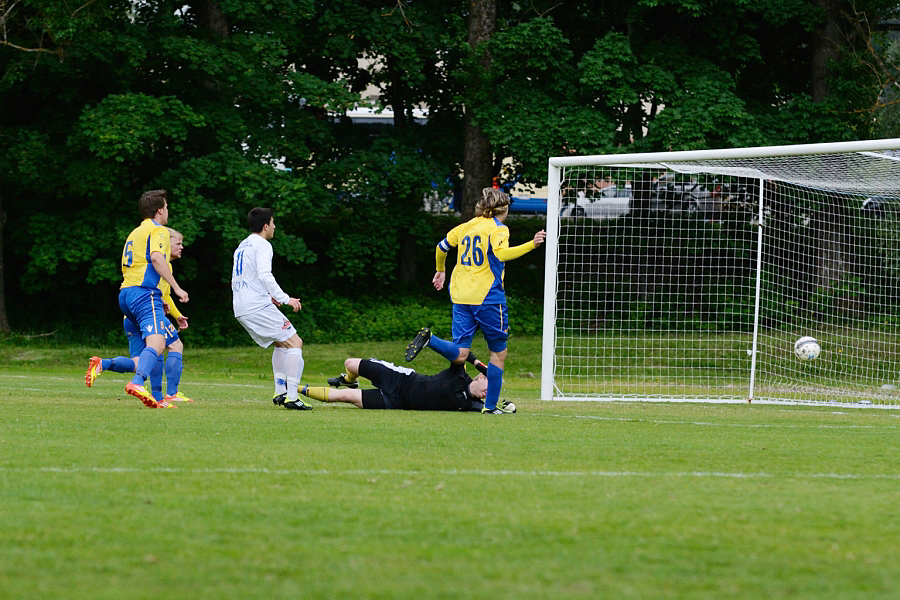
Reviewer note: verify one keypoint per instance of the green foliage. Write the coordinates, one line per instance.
(887, 111)
(610, 71)
(705, 113)
(526, 315)
(800, 118)
(532, 109)
(537, 48)
(133, 126)
(121, 97)
(335, 318)
(29, 156)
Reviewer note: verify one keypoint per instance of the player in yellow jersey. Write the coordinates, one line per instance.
(476, 288)
(144, 264)
(174, 345)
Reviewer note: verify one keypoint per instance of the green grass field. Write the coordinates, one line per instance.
(231, 497)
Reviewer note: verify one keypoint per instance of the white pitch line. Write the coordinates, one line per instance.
(837, 412)
(709, 424)
(449, 472)
(126, 380)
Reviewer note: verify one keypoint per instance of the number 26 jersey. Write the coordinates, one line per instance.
(478, 275)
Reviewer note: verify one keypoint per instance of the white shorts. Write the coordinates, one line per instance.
(267, 326)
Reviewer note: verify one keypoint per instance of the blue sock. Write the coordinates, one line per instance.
(447, 349)
(119, 364)
(495, 383)
(174, 367)
(156, 380)
(146, 363)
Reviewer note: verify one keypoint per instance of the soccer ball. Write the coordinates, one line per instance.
(807, 348)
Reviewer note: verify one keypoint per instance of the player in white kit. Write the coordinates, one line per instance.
(256, 297)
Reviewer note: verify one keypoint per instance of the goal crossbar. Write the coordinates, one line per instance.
(727, 153)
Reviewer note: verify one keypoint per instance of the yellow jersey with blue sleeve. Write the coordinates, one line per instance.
(483, 248)
(137, 270)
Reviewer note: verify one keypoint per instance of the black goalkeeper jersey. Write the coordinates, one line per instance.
(447, 390)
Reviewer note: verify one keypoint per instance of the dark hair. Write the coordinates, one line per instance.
(150, 202)
(258, 218)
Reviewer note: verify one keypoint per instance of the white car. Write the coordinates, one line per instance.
(608, 203)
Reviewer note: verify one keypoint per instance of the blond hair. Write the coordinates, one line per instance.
(493, 202)
(174, 233)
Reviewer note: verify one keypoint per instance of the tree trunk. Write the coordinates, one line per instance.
(476, 167)
(211, 18)
(827, 48)
(4, 321)
(478, 157)
(213, 25)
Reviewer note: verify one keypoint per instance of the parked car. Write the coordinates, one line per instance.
(608, 203)
(684, 196)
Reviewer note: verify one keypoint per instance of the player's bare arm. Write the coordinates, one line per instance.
(162, 267)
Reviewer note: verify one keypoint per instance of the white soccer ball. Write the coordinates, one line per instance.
(807, 348)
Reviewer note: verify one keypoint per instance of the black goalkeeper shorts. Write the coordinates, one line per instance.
(387, 378)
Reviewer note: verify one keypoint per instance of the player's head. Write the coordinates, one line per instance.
(152, 202)
(493, 203)
(478, 387)
(260, 220)
(176, 243)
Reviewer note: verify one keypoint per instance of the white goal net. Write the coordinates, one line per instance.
(688, 276)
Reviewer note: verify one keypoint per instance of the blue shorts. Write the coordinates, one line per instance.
(491, 318)
(144, 308)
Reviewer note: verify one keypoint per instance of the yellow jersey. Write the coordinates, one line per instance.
(483, 248)
(137, 270)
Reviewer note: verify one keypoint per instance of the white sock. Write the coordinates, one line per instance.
(293, 367)
(278, 369)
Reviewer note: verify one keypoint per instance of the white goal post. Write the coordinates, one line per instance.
(688, 276)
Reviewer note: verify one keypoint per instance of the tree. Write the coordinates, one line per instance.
(477, 153)
(156, 95)
(676, 75)
(4, 320)
(402, 57)
(30, 35)
(230, 105)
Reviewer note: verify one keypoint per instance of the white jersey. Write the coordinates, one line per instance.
(252, 284)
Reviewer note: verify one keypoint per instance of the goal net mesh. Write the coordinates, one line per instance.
(691, 280)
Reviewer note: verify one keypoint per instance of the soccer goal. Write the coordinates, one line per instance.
(688, 276)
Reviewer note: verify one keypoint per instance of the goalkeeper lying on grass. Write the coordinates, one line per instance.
(402, 388)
